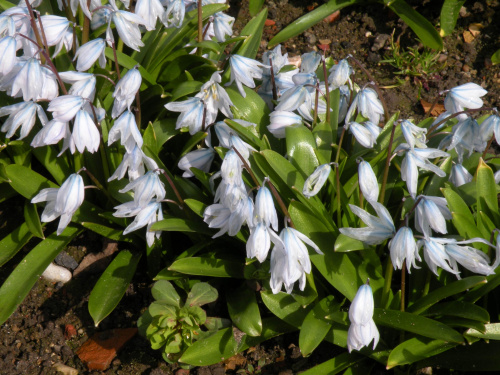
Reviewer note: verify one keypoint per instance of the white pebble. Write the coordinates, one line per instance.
(56, 274)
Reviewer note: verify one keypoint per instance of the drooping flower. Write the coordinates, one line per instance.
(125, 127)
(362, 330)
(133, 163)
(316, 180)
(127, 26)
(21, 115)
(146, 188)
(413, 134)
(471, 258)
(62, 202)
(431, 212)
(83, 84)
(368, 104)
(145, 215)
(174, 15)
(215, 97)
(464, 96)
(150, 11)
(223, 25)
(368, 183)
(192, 114)
(264, 210)
(435, 255)
(8, 46)
(489, 127)
(340, 74)
(280, 120)
(201, 159)
(366, 134)
(403, 247)
(244, 71)
(85, 134)
(310, 62)
(29, 80)
(125, 91)
(459, 175)
(89, 53)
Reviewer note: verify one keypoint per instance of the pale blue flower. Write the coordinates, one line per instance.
(150, 11)
(464, 96)
(435, 255)
(280, 120)
(85, 133)
(259, 242)
(223, 25)
(244, 71)
(316, 180)
(368, 104)
(340, 74)
(378, 229)
(465, 136)
(55, 28)
(200, 159)
(265, 211)
(125, 127)
(364, 133)
(403, 247)
(29, 80)
(362, 330)
(145, 215)
(133, 163)
(88, 54)
(368, 183)
(127, 26)
(471, 258)
(83, 84)
(431, 213)
(125, 91)
(459, 175)
(51, 133)
(191, 114)
(21, 115)
(292, 99)
(62, 202)
(310, 62)
(174, 15)
(215, 97)
(8, 58)
(490, 126)
(413, 134)
(146, 188)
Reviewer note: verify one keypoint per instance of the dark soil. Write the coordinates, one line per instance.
(36, 335)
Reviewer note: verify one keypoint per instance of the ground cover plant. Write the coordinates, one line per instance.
(303, 164)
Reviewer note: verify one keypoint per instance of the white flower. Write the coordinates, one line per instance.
(435, 255)
(459, 175)
(89, 53)
(280, 120)
(150, 11)
(264, 211)
(340, 73)
(55, 28)
(192, 114)
(259, 241)
(29, 80)
(471, 258)
(431, 212)
(8, 46)
(127, 26)
(215, 97)
(174, 15)
(125, 127)
(243, 72)
(362, 329)
(63, 201)
(133, 162)
(125, 91)
(51, 133)
(83, 84)
(368, 183)
(200, 159)
(403, 247)
(414, 135)
(365, 134)
(223, 25)
(21, 115)
(378, 228)
(148, 214)
(310, 62)
(368, 104)
(85, 133)
(464, 96)
(316, 180)
(146, 188)
(490, 126)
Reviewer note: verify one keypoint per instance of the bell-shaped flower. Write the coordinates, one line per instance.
(378, 229)
(125, 127)
(368, 183)
(292, 98)
(368, 104)
(310, 62)
(133, 163)
(55, 28)
(229, 220)
(174, 15)
(490, 126)
(150, 11)
(200, 159)
(264, 211)
(471, 258)
(192, 114)
(459, 175)
(51, 133)
(83, 84)
(228, 139)
(127, 26)
(366, 134)
(404, 247)
(8, 46)
(431, 213)
(340, 74)
(88, 54)
(146, 216)
(21, 115)
(465, 136)
(64, 108)
(464, 96)
(85, 133)
(146, 188)
(244, 71)
(215, 97)
(125, 91)
(413, 134)
(62, 202)
(362, 330)
(435, 255)
(29, 80)
(316, 180)
(259, 241)
(280, 120)
(223, 25)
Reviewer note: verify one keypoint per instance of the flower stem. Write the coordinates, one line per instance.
(327, 89)
(387, 164)
(96, 183)
(273, 82)
(316, 103)
(247, 167)
(117, 67)
(487, 147)
(337, 177)
(174, 188)
(34, 28)
(86, 26)
(281, 203)
(387, 283)
(403, 285)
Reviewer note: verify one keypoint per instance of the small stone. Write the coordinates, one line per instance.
(463, 12)
(380, 41)
(465, 68)
(442, 58)
(69, 331)
(63, 369)
(65, 260)
(182, 371)
(325, 41)
(310, 38)
(55, 273)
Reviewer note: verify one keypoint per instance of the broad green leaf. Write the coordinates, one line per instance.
(33, 220)
(310, 19)
(209, 267)
(253, 31)
(418, 23)
(323, 136)
(129, 63)
(486, 187)
(185, 88)
(453, 321)
(108, 232)
(254, 6)
(335, 365)
(244, 310)
(201, 294)
(301, 147)
(174, 224)
(315, 326)
(490, 284)
(27, 182)
(196, 206)
(444, 292)
(13, 242)
(252, 108)
(285, 307)
(246, 134)
(415, 349)
(460, 309)
(492, 332)
(416, 324)
(57, 166)
(5, 4)
(495, 58)
(21, 280)
(20, 152)
(164, 130)
(112, 285)
(164, 291)
(449, 15)
(462, 216)
(345, 244)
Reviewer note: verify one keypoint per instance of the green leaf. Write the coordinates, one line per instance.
(244, 310)
(418, 23)
(492, 332)
(301, 147)
(32, 220)
(112, 285)
(486, 187)
(460, 309)
(129, 63)
(201, 294)
(461, 214)
(164, 291)
(13, 242)
(5, 4)
(27, 182)
(252, 108)
(20, 152)
(253, 31)
(254, 6)
(315, 326)
(57, 166)
(174, 224)
(345, 244)
(105, 231)
(323, 136)
(246, 134)
(285, 307)
(416, 324)
(29, 270)
(444, 292)
(208, 267)
(449, 15)
(415, 349)
(495, 58)
(335, 365)
(310, 19)
(185, 88)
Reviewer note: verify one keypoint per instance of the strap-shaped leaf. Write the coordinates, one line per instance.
(335, 365)
(315, 326)
(209, 267)
(449, 15)
(14, 242)
(415, 349)
(301, 148)
(244, 310)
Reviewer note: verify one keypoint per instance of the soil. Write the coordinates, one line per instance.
(53, 321)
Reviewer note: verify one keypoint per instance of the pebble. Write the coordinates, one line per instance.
(311, 38)
(66, 370)
(442, 58)
(55, 273)
(380, 41)
(465, 68)
(65, 260)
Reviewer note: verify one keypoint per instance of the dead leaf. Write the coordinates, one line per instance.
(475, 29)
(468, 37)
(269, 22)
(332, 17)
(325, 41)
(436, 111)
(324, 47)
(236, 361)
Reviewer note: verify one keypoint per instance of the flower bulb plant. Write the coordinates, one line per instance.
(297, 181)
